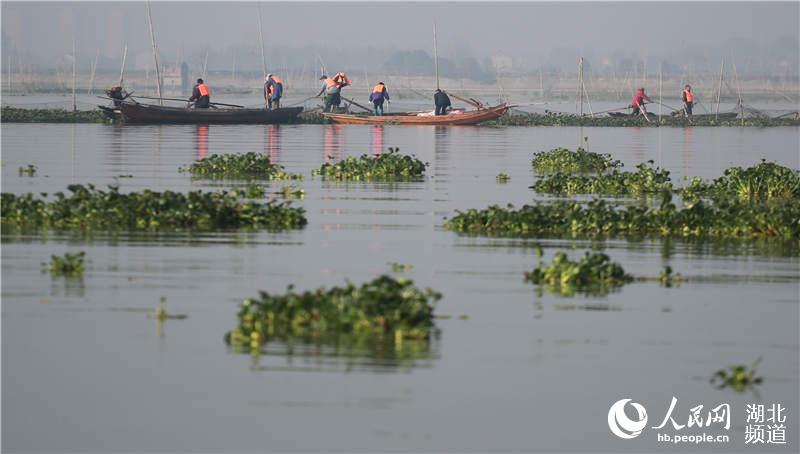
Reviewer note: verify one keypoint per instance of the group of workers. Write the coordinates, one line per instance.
(638, 101)
(273, 92)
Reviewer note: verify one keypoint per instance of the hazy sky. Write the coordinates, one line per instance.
(532, 30)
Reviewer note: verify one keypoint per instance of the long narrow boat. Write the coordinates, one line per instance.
(471, 117)
(148, 113)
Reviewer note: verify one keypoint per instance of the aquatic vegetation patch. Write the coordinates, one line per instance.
(17, 115)
(594, 274)
(502, 178)
(763, 182)
(646, 179)
(568, 161)
(29, 170)
(567, 119)
(389, 166)
(739, 378)
(88, 208)
(291, 192)
(248, 165)
(70, 265)
(724, 219)
(385, 308)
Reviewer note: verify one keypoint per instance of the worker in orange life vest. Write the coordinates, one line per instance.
(273, 91)
(378, 95)
(201, 95)
(688, 99)
(331, 90)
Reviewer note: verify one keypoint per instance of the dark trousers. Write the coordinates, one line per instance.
(378, 104)
(273, 103)
(202, 103)
(441, 110)
(332, 101)
(689, 106)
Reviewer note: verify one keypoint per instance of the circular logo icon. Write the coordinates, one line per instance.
(621, 425)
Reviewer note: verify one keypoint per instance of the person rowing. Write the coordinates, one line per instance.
(638, 102)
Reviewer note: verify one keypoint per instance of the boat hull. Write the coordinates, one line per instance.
(467, 118)
(148, 114)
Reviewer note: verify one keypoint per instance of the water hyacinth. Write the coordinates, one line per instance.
(71, 265)
(646, 179)
(502, 178)
(564, 160)
(248, 165)
(385, 308)
(739, 378)
(763, 182)
(87, 208)
(389, 166)
(566, 119)
(17, 115)
(775, 219)
(594, 273)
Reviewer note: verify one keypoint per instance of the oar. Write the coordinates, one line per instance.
(474, 103)
(183, 100)
(356, 104)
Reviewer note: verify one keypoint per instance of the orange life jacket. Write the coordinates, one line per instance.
(341, 79)
(204, 90)
(378, 88)
(330, 82)
(275, 80)
(689, 95)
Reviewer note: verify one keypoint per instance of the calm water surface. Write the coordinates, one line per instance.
(84, 370)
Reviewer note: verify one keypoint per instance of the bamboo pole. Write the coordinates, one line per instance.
(739, 89)
(578, 94)
(660, 97)
(261, 41)
(719, 88)
(541, 84)
(435, 55)
(205, 65)
(94, 71)
(155, 53)
(122, 70)
(74, 76)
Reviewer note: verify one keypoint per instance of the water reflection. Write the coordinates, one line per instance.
(332, 145)
(347, 354)
(686, 151)
(272, 142)
(377, 140)
(201, 141)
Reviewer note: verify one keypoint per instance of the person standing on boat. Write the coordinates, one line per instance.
(442, 102)
(332, 93)
(638, 102)
(201, 95)
(688, 99)
(378, 95)
(116, 95)
(273, 91)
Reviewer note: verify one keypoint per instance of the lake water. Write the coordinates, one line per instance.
(84, 369)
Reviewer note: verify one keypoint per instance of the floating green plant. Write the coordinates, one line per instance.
(646, 179)
(17, 115)
(502, 178)
(386, 308)
(668, 279)
(389, 166)
(763, 182)
(29, 170)
(565, 119)
(594, 273)
(774, 219)
(739, 378)
(87, 208)
(248, 165)
(161, 314)
(254, 191)
(291, 192)
(70, 265)
(401, 268)
(568, 161)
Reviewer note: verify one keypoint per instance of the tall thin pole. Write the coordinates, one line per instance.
(660, 98)
(74, 76)
(9, 72)
(435, 55)
(578, 92)
(719, 88)
(94, 71)
(739, 89)
(261, 41)
(205, 64)
(541, 84)
(122, 70)
(155, 53)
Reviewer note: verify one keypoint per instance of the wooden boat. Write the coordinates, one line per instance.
(470, 117)
(148, 113)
